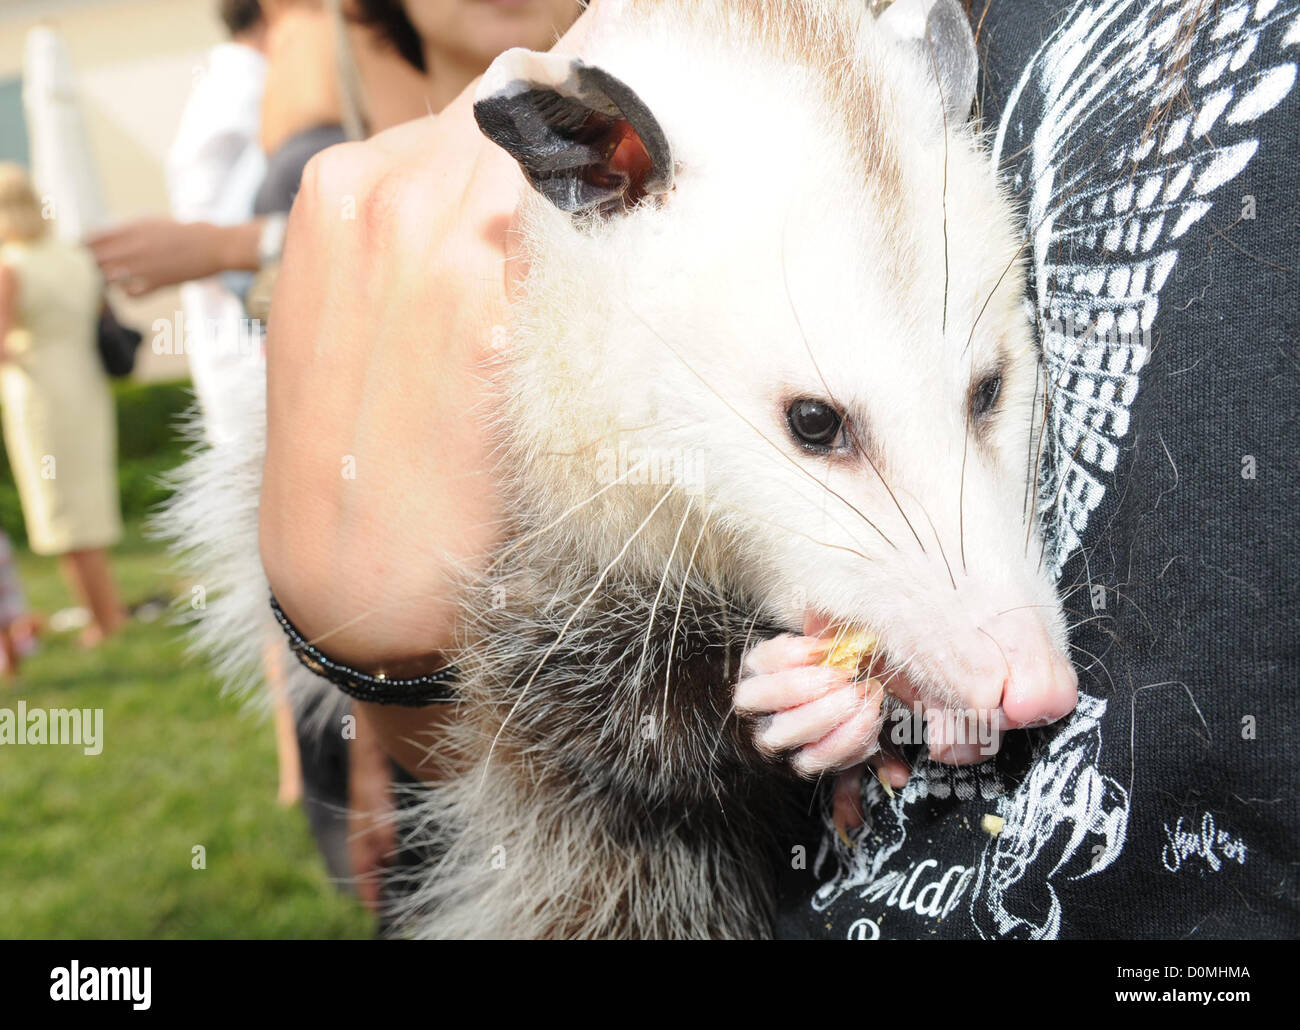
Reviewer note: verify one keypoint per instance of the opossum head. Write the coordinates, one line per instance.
(773, 321)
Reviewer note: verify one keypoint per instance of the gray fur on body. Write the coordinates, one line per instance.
(595, 795)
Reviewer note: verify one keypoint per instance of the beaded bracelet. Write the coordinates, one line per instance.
(413, 692)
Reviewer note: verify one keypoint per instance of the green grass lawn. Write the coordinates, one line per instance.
(101, 846)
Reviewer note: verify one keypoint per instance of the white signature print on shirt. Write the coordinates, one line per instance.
(1211, 844)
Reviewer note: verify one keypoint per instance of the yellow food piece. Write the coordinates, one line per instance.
(850, 648)
(992, 824)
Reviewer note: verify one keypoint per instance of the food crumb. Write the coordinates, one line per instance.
(992, 824)
(849, 648)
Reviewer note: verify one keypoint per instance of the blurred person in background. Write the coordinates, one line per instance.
(58, 415)
(214, 168)
(325, 77)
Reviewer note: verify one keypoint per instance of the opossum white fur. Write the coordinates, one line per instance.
(830, 234)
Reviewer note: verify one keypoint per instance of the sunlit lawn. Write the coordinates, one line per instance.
(102, 846)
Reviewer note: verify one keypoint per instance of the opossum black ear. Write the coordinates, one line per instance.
(584, 138)
(940, 32)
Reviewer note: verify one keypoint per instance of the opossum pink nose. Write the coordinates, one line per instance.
(1034, 683)
(1010, 666)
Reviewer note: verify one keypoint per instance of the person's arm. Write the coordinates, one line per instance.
(376, 482)
(143, 255)
(8, 305)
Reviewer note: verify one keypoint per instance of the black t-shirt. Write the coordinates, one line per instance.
(1152, 145)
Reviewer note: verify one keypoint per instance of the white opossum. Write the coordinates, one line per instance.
(770, 357)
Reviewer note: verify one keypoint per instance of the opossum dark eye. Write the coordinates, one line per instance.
(985, 396)
(815, 424)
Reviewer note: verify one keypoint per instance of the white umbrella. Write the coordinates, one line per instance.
(63, 167)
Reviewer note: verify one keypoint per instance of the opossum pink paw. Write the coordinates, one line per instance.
(769, 693)
(809, 723)
(786, 651)
(818, 713)
(890, 770)
(782, 673)
(850, 741)
(846, 796)
(846, 801)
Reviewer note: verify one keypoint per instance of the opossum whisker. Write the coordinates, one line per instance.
(571, 510)
(1029, 236)
(961, 488)
(1132, 740)
(663, 582)
(1006, 661)
(1027, 502)
(771, 443)
(565, 628)
(825, 514)
(1031, 483)
(894, 669)
(942, 553)
(943, 111)
(1062, 200)
(1123, 595)
(993, 292)
(1065, 198)
(830, 394)
(681, 598)
(970, 339)
(731, 708)
(1021, 607)
(1092, 618)
(788, 529)
(1036, 448)
(1099, 663)
(1068, 592)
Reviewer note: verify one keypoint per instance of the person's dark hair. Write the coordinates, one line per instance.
(239, 15)
(388, 18)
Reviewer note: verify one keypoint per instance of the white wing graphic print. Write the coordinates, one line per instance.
(1120, 134)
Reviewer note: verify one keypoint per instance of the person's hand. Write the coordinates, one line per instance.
(388, 310)
(376, 484)
(148, 253)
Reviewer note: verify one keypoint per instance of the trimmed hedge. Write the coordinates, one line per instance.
(149, 444)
